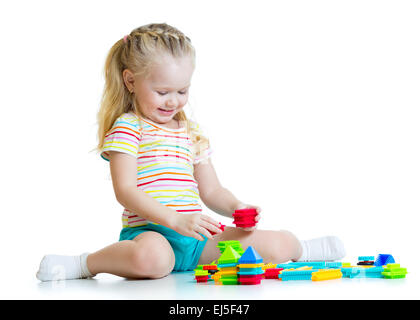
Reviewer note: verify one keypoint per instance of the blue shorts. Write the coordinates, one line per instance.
(187, 249)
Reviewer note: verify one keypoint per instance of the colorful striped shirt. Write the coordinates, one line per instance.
(165, 162)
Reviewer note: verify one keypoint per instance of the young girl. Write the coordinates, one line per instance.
(160, 166)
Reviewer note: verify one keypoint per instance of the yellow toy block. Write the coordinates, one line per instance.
(304, 268)
(255, 265)
(269, 266)
(326, 274)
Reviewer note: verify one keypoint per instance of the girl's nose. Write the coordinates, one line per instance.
(171, 103)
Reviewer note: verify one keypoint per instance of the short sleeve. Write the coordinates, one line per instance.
(203, 148)
(124, 136)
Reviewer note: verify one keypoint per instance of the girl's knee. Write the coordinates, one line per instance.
(152, 257)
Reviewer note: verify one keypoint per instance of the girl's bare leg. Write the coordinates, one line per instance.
(272, 246)
(149, 255)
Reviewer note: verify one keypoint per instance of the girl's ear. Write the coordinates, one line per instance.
(129, 79)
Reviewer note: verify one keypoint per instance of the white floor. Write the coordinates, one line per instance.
(182, 286)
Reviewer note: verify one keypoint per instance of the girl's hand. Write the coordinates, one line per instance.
(250, 206)
(191, 225)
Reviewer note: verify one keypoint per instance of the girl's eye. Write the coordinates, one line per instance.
(163, 93)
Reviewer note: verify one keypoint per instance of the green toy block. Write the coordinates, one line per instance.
(229, 256)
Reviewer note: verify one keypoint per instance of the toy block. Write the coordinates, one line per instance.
(296, 275)
(366, 258)
(334, 265)
(226, 265)
(251, 265)
(366, 263)
(249, 281)
(384, 259)
(394, 271)
(269, 266)
(235, 244)
(250, 271)
(210, 267)
(315, 264)
(229, 282)
(229, 256)
(326, 274)
(250, 256)
(358, 272)
(230, 269)
(221, 227)
(245, 217)
(272, 273)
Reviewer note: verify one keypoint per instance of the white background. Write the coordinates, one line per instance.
(311, 107)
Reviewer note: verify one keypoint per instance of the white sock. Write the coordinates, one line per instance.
(55, 267)
(322, 249)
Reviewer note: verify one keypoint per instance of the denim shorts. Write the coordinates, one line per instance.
(187, 249)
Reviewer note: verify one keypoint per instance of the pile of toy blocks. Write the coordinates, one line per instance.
(250, 267)
(236, 266)
(227, 265)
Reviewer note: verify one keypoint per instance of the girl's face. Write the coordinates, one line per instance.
(165, 91)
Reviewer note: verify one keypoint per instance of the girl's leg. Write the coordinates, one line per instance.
(149, 255)
(272, 246)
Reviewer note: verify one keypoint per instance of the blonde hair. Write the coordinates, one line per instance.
(138, 52)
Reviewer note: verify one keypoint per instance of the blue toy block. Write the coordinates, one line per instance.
(366, 258)
(296, 275)
(298, 264)
(227, 265)
(250, 271)
(357, 272)
(384, 259)
(250, 256)
(334, 265)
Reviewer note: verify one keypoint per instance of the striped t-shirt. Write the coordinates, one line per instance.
(164, 162)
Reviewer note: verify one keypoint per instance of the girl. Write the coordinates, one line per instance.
(160, 166)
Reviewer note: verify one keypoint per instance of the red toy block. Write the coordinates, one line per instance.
(201, 278)
(272, 273)
(210, 267)
(221, 227)
(245, 218)
(249, 280)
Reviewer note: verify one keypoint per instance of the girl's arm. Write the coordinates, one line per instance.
(124, 180)
(212, 193)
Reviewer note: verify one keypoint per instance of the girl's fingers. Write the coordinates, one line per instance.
(211, 227)
(204, 232)
(197, 236)
(210, 220)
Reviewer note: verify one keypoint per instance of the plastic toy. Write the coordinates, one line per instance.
(296, 275)
(202, 275)
(394, 271)
(359, 272)
(236, 245)
(229, 256)
(272, 273)
(221, 226)
(244, 218)
(250, 267)
(384, 259)
(326, 274)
